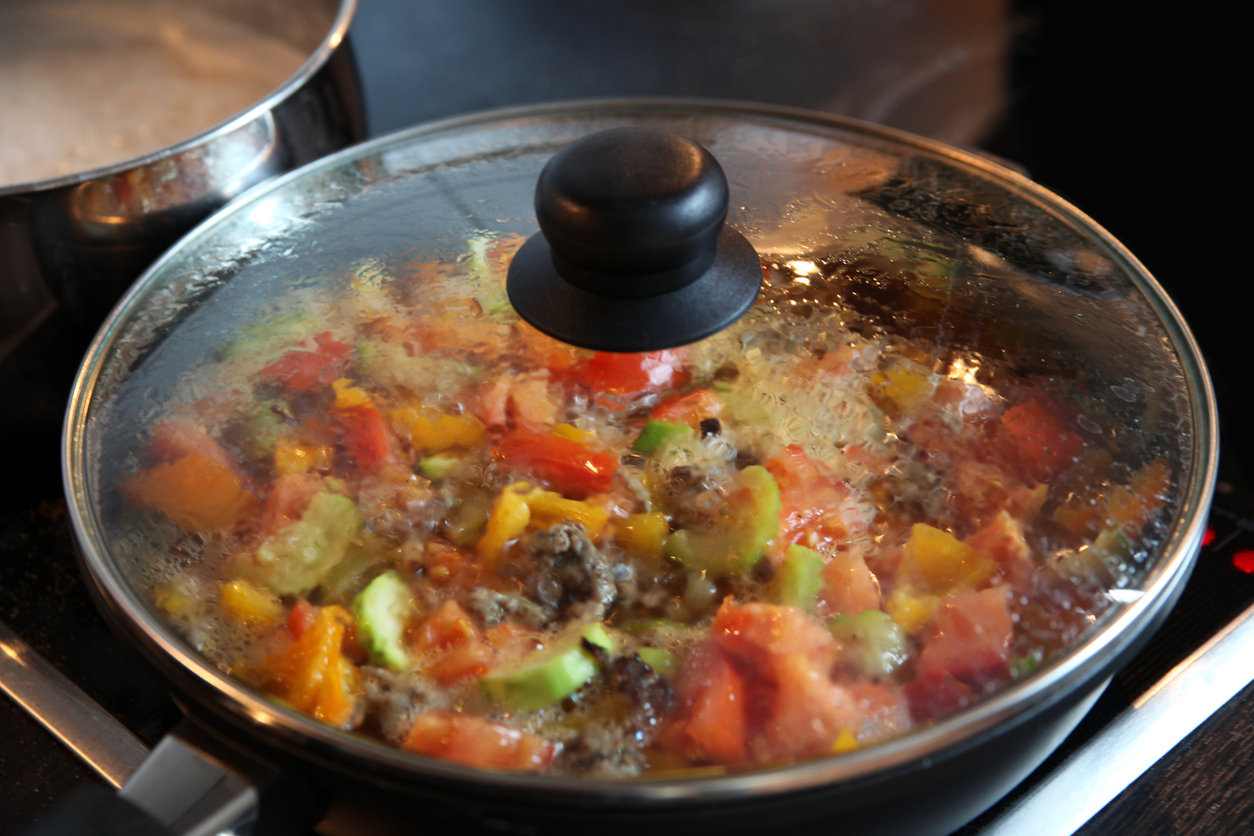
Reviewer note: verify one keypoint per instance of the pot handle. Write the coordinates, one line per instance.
(186, 788)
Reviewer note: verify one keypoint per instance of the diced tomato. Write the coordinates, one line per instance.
(302, 615)
(455, 645)
(288, 498)
(813, 499)
(1032, 438)
(512, 641)
(474, 741)
(808, 712)
(717, 725)
(936, 694)
(575, 470)
(969, 637)
(366, 437)
(1002, 540)
(691, 408)
(849, 586)
(630, 374)
(526, 402)
(310, 367)
(760, 633)
(763, 676)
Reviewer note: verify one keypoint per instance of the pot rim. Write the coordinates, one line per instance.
(314, 62)
(1083, 663)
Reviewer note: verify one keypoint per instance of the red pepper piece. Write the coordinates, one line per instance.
(573, 469)
(628, 374)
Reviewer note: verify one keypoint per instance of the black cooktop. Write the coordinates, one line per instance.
(1079, 101)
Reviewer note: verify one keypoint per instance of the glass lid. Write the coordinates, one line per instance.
(958, 439)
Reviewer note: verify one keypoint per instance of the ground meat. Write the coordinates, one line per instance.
(392, 700)
(567, 575)
(602, 751)
(498, 607)
(650, 693)
(399, 509)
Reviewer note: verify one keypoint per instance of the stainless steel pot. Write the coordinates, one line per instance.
(1060, 292)
(82, 238)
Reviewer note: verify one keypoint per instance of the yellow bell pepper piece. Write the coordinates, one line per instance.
(508, 519)
(845, 742)
(644, 535)
(171, 598)
(912, 611)
(245, 604)
(296, 457)
(939, 562)
(572, 433)
(431, 431)
(548, 508)
(521, 506)
(348, 396)
(910, 386)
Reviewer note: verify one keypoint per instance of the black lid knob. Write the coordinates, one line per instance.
(633, 253)
(632, 211)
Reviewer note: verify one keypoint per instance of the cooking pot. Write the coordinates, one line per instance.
(855, 212)
(81, 238)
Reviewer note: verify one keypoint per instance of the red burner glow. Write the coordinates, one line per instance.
(1208, 537)
(1243, 559)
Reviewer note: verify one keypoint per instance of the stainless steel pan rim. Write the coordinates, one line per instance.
(1082, 667)
(313, 63)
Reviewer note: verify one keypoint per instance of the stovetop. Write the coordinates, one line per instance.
(1058, 105)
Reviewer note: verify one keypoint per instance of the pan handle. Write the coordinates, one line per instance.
(187, 788)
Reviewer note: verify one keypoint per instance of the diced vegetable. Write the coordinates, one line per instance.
(508, 520)
(440, 467)
(655, 433)
(474, 741)
(549, 674)
(939, 562)
(392, 365)
(452, 645)
(430, 431)
(690, 409)
(629, 374)
(911, 609)
(662, 661)
(312, 674)
(574, 470)
(740, 538)
(549, 508)
(266, 339)
(1130, 509)
(309, 368)
(295, 560)
(194, 491)
(873, 640)
(718, 725)
(382, 610)
(644, 535)
(1030, 435)
(368, 441)
(799, 578)
(245, 604)
(293, 456)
